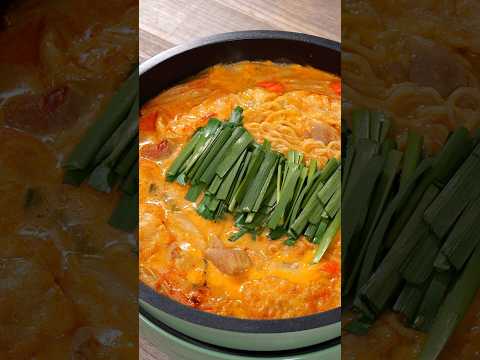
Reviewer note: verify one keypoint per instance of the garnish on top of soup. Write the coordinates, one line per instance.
(240, 191)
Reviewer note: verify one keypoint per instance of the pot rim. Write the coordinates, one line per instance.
(227, 323)
(211, 320)
(238, 36)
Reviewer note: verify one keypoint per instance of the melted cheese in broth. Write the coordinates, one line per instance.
(294, 107)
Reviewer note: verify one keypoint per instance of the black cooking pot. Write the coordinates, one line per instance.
(177, 64)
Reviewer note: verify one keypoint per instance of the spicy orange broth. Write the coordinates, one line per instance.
(282, 282)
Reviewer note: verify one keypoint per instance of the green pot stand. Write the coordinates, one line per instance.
(180, 347)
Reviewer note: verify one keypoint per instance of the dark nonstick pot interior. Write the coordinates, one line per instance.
(179, 63)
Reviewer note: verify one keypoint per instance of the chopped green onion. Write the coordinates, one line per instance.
(130, 184)
(464, 237)
(457, 194)
(322, 227)
(214, 185)
(432, 300)
(117, 109)
(385, 280)
(409, 301)
(234, 153)
(420, 265)
(302, 220)
(126, 162)
(452, 155)
(257, 159)
(285, 198)
(311, 231)
(125, 215)
(453, 308)
(329, 169)
(227, 184)
(267, 184)
(172, 172)
(413, 154)
(334, 204)
(256, 187)
(194, 192)
(375, 242)
(236, 117)
(101, 177)
(210, 172)
(327, 237)
(361, 124)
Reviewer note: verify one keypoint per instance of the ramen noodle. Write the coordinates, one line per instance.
(295, 108)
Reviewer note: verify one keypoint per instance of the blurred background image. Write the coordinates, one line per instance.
(212, 287)
(68, 279)
(411, 106)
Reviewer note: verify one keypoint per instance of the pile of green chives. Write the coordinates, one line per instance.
(261, 188)
(410, 230)
(107, 155)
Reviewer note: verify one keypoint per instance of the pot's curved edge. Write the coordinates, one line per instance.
(284, 341)
(221, 352)
(214, 321)
(235, 36)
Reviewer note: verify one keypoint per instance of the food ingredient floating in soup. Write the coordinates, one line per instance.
(260, 187)
(410, 235)
(107, 155)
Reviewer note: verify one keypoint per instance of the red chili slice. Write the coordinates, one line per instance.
(272, 86)
(148, 122)
(331, 267)
(336, 86)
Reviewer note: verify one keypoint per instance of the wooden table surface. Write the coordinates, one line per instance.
(166, 23)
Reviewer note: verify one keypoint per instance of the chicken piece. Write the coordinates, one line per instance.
(324, 132)
(229, 261)
(45, 113)
(435, 66)
(156, 152)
